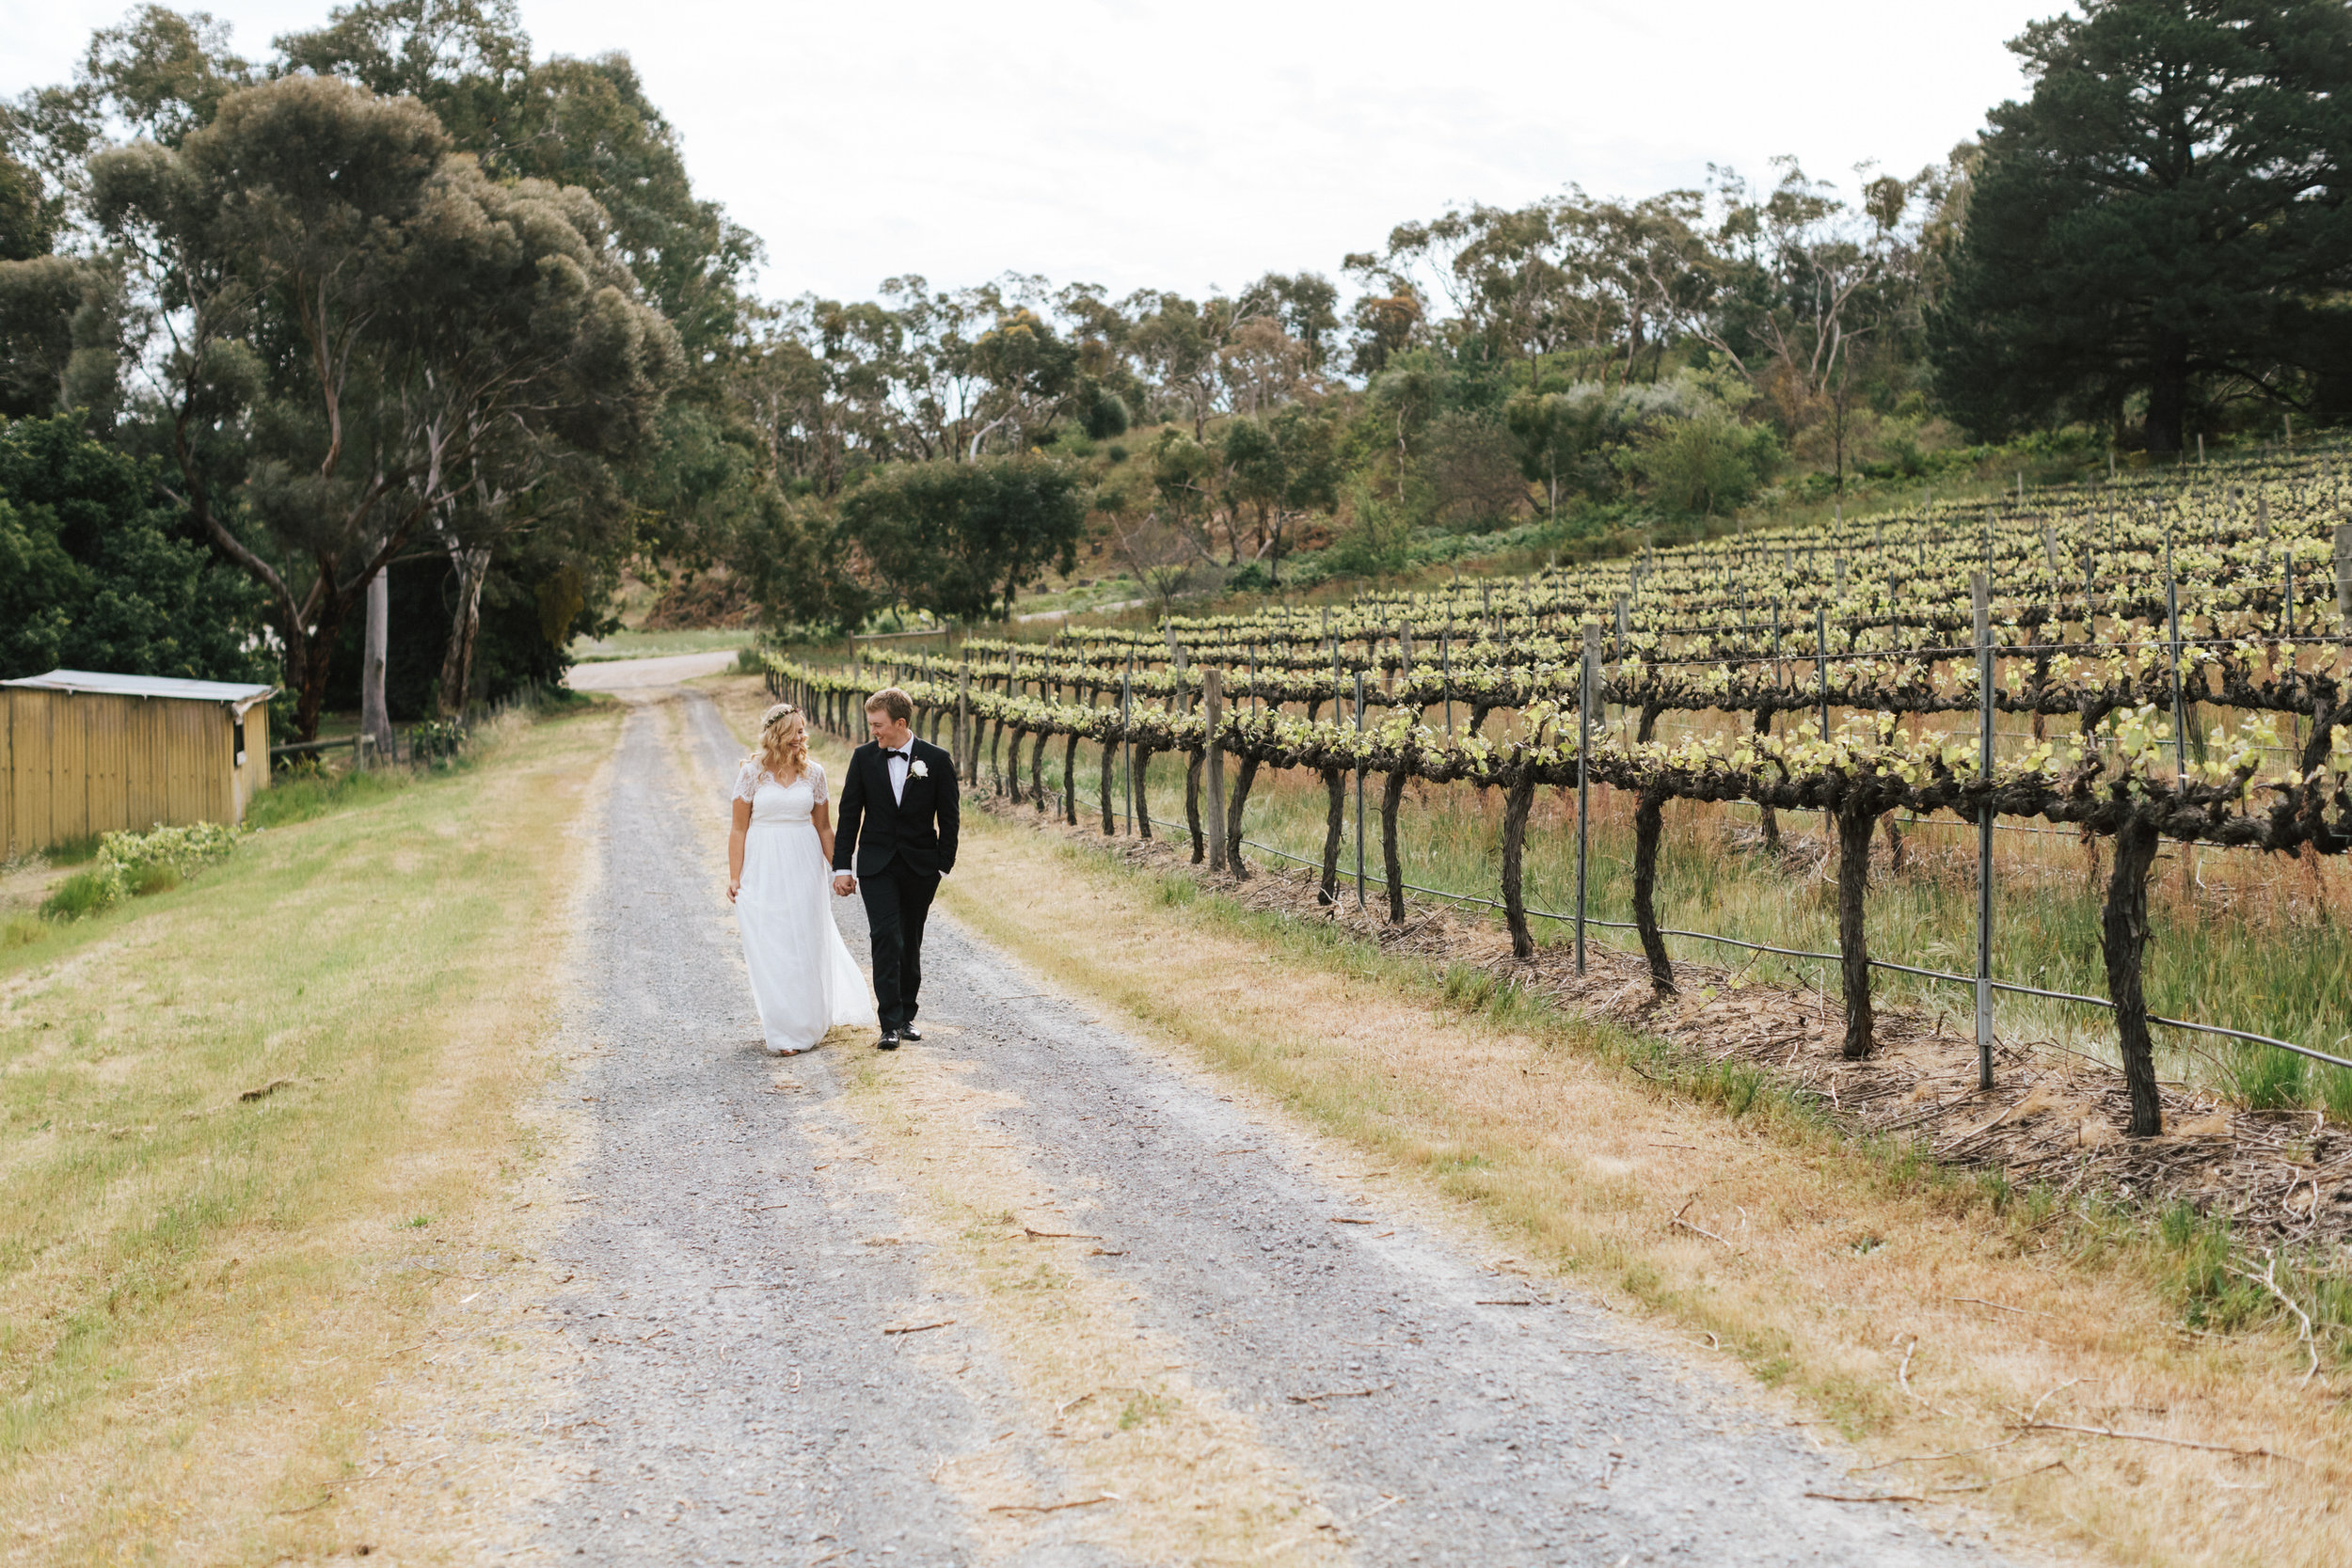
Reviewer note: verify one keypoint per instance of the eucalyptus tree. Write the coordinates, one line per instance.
(353, 316)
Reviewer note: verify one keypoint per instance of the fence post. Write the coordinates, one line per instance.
(964, 724)
(1213, 701)
(1982, 594)
(2180, 718)
(1445, 659)
(1360, 789)
(1585, 774)
(1820, 663)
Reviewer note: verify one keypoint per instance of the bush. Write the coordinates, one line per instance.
(136, 864)
(184, 851)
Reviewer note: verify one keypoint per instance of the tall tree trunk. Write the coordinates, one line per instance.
(1243, 779)
(472, 563)
(1516, 803)
(1649, 823)
(1391, 796)
(376, 720)
(2168, 395)
(1854, 827)
(2123, 933)
(1334, 825)
(1037, 770)
(1070, 780)
(1139, 765)
(1110, 817)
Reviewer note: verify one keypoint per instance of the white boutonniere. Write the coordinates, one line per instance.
(919, 768)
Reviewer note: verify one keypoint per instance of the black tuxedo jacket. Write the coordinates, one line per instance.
(918, 830)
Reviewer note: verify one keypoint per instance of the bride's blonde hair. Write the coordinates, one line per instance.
(783, 743)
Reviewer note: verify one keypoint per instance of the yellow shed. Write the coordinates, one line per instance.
(83, 753)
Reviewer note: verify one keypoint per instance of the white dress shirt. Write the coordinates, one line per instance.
(898, 761)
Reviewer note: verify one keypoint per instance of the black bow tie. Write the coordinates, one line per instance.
(907, 752)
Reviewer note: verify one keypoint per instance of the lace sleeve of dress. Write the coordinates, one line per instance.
(817, 780)
(746, 783)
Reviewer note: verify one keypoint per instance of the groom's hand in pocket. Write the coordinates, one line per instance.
(844, 884)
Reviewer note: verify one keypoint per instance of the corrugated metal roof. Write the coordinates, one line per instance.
(234, 692)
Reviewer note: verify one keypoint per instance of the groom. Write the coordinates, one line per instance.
(899, 809)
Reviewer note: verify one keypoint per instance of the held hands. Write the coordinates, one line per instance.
(843, 883)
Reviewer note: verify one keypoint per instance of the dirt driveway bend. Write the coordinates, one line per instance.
(1033, 1292)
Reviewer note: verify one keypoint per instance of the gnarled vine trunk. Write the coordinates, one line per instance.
(1649, 821)
(1334, 826)
(1391, 796)
(1192, 806)
(2123, 933)
(1855, 826)
(1242, 780)
(1516, 803)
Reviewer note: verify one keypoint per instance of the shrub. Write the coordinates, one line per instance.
(135, 865)
(184, 851)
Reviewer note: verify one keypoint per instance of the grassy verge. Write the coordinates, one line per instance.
(245, 1127)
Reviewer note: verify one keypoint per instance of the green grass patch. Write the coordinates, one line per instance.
(157, 1214)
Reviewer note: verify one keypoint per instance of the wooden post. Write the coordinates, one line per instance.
(1983, 593)
(1584, 776)
(1212, 703)
(964, 722)
(1820, 663)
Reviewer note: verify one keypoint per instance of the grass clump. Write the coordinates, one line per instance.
(307, 795)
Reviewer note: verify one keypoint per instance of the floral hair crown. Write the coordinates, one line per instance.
(775, 716)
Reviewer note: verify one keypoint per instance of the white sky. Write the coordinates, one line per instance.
(1183, 146)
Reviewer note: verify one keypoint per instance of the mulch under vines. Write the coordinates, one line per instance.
(2054, 1118)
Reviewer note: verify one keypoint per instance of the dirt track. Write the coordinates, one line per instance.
(1034, 1291)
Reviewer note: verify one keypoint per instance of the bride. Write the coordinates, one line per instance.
(779, 872)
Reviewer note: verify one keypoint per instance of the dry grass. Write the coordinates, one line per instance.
(254, 1300)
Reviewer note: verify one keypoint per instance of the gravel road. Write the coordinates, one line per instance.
(1153, 1341)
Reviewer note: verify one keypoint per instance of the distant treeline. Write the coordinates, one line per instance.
(406, 296)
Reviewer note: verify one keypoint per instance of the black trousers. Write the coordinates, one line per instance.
(897, 900)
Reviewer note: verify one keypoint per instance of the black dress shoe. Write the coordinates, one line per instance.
(908, 1033)
(889, 1040)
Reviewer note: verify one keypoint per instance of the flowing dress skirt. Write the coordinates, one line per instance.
(804, 980)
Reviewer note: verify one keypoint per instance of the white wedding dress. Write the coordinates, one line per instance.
(804, 980)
